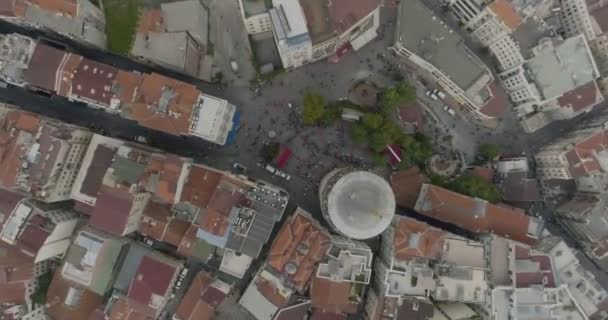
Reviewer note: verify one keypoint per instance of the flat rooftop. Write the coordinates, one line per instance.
(558, 67)
(292, 17)
(426, 35)
(254, 7)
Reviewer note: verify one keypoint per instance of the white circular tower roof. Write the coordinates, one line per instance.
(361, 205)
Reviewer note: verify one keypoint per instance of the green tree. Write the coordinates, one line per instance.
(270, 151)
(314, 109)
(372, 120)
(417, 147)
(359, 133)
(407, 92)
(393, 96)
(389, 99)
(489, 151)
(378, 141)
(393, 131)
(380, 159)
(332, 113)
(475, 186)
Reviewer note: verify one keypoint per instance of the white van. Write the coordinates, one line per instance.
(449, 110)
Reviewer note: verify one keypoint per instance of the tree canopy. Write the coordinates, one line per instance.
(489, 151)
(393, 96)
(378, 131)
(314, 108)
(475, 186)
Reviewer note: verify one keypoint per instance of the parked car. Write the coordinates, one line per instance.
(183, 273)
(440, 94)
(234, 66)
(449, 110)
(271, 169)
(239, 167)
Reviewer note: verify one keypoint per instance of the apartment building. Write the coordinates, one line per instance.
(308, 31)
(419, 262)
(302, 243)
(256, 16)
(340, 282)
(154, 101)
(150, 289)
(205, 295)
(79, 20)
(42, 156)
(575, 19)
(479, 216)
(584, 217)
(40, 231)
(557, 82)
(598, 11)
(174, 36)
(21, 278)
(427, 42)
(291, 33)
(576, 156)
(534, 291)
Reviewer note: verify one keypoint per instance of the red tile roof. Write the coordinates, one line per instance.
(416, 239)
(168, 178)
(406, 186)
(17, 265)
(112, 210)
(126, 85)
(186, 246)
(214, 222)
(302, 243)
(346, 13)
(15, 269)
(581, 97)
(176, 229)
(32, 238)
(271, 293)
(151, 21)
(127, 309)
(200, 186)
(153, 276)
(582, 157)
(504, 10)
(201, 299)
(83, 306)
(543, 276)
(333, 297)
(180, 99)
(155, 218)
(67, 74)
(13, 292)
(475, 215)
(499, 102)
(322, 315)
(43, 68)
(8, 202)
(13, 127)
(297, 311)
(412, 113)
(93, 81)
(485, 173)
